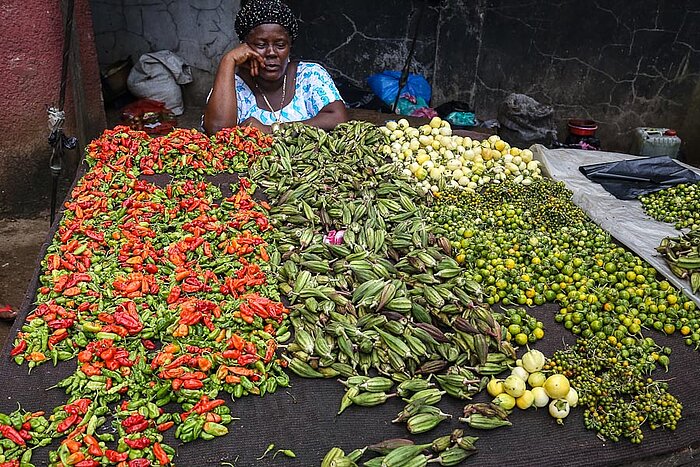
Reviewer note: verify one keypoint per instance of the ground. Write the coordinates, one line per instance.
(19, 249)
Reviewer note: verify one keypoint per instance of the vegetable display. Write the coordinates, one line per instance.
(435, 159)
(387, 297)
(366, 255)
(164, 293)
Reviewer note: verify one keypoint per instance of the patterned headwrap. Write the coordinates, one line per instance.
(256, 12)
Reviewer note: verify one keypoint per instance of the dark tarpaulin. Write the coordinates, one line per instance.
(303, 418)
(631, 178)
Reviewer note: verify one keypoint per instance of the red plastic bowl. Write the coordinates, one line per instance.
(582, 127)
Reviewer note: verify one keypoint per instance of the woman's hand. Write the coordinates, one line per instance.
(222, 108)
(245, 57)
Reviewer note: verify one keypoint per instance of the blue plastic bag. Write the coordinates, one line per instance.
(386, 85)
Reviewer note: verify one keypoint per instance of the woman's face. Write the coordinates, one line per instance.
(272, 42)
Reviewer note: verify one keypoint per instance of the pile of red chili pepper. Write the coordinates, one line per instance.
(164, 296)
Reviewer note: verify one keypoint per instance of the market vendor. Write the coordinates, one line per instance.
(270, 90)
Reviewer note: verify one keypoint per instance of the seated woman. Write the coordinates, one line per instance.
(270, 90)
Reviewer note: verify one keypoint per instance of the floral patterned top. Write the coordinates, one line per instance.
(314, 89)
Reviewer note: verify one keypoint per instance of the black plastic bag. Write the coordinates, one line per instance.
(631, 178)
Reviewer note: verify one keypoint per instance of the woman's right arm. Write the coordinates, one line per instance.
(222, 108)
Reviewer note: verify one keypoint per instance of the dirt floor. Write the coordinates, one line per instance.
(20, 242)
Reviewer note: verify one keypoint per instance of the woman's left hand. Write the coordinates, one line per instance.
(254, 122)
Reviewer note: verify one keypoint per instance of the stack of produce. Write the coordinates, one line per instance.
(530, 245)
(446, 450)
(614, 387)
(434, 159)
(371, 287)
(553, 390)
(683, 256)
(679, 205)
(166, 294)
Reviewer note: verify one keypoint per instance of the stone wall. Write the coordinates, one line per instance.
(30, 66)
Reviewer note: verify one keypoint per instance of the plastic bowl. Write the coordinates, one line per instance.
(582, 127)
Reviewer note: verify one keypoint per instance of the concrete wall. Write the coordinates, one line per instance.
(623, 64)
(30, 61)
(199, 31)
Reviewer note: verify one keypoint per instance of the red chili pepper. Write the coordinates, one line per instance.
(94, 448)
(148, 344)
(114, 456)
(247, 359)
(10, 433)
(192, 384)
(25, 434)
(89, 462)
(138, 443)
(137, 428)
(108, 354)
(233, 353)
(165, 426)
(132, 420)
(174, 295)
(139, 463)
(176, 384)
(57, 337)
(207, 406)
(270, 352)
(60, 323)
(161, 456)
(80, 405)
(19, 348)
(68, 422)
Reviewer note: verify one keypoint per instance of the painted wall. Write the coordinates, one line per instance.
(30, 66)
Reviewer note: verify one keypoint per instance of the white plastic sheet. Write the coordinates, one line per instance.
(625, 220)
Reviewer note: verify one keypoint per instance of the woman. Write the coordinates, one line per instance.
(269, 90)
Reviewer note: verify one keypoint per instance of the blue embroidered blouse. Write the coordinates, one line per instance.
(314, 89)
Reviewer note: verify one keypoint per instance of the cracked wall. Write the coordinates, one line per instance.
(356, 39)
(623, 64)
(199, 31)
